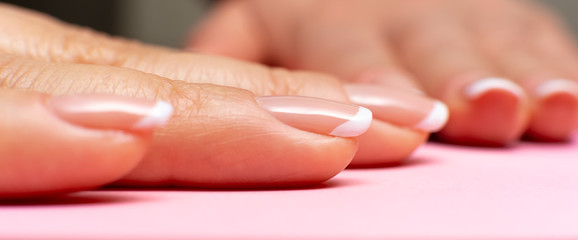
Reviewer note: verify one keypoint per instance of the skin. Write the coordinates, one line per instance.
(435, 46)
(218, 136)
(39, 154)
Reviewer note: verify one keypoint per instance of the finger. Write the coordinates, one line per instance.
(264, 81)
(219, 136)
(197, 69)
(53, 145)
(43, 38)
(484, 110)
(401, 119)
(358, 55)
(357, 51)
(556, 95)
(230, 30)
(554, 100)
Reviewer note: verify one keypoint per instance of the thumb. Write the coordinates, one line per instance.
(230, 20)
(53, 145)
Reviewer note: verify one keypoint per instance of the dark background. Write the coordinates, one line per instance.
(165, 22)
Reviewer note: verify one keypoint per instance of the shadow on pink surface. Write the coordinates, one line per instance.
(525, 192)
(87, 198)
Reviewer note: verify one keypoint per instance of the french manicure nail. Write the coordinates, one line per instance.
(556, 86)
(478, 88)
(318, 115)
(401, 108)
(111, 112)
(556, 103)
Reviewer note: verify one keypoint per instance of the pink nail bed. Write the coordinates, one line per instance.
(318, 115)
(111, 112)
(402, 108)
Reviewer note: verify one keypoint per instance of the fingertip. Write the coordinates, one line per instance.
(493, 112)
(399, 106)
(44, 151)
(555, 111)
(385, 144)
(436, 119)
(357, 125)
(237, 140)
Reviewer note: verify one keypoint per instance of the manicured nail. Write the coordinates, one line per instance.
(483, 86)
(111, 112)
(402, 108)
(318, 115)
(556, 103)
(556, 86)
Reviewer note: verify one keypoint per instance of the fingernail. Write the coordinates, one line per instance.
(556, 86)
(481, 87)
(318, 115)
(401, 108)
(111, 112)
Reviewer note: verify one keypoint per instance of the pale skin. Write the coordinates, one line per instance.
(195, 149)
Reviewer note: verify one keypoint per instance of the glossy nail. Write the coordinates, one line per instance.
(402, 108)
(318, 115)
(110, 112)
(481, 87)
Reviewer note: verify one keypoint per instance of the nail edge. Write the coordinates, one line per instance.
(157, 117)
(436, 119)
(355, 126)
(480, 87)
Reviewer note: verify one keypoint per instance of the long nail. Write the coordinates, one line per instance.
(402, 108)
(110, 112)
(481, 87)
(318, 115)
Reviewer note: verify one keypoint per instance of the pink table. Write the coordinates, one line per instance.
(530, 191)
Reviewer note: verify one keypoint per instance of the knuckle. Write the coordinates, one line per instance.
(283, 82)
(206, 100)
(81, 45)
(16, 73)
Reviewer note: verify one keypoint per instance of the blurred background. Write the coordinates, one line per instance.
(167, 22)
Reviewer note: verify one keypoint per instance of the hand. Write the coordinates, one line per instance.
(220, 135)
(504, 68)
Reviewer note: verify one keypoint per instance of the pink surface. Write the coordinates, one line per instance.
(530, 191)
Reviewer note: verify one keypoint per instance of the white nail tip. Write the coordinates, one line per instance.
(158, 116)
(556, 86)
(436, 119)
(478, 88)
(356, 125)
